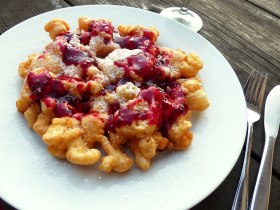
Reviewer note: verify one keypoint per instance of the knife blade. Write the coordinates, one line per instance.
(260, 199)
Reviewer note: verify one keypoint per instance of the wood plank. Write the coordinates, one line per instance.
(256, 29)
(243, 54)
(3, 26)
(154, 5)
(131, 3)
(13, 12)
(243, 62)
(271, 6)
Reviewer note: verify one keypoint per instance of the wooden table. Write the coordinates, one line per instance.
(247, 33)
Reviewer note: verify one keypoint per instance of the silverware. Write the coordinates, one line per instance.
(254, 92)
(261, 193)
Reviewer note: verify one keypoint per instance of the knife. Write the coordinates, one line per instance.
(261, 193)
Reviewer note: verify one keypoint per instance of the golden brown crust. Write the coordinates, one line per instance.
(84, 23)
(56, 26)
(129, 30)
(195, 95)
(182, 64)
(85, 139)
(180, 134)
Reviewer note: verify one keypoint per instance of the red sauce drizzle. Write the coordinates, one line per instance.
(84, 38)
(143, 42)
(52, 92)
(164, 97)
(147, 66)
(163, 108)
(174, 104)
(113, 107)
(98, 26)
(74, 56)
(141, 64)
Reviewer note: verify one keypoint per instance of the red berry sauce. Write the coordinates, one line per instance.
(144, 42)
(98, 26)
(84, 38)
(52, 92)
(141, 64)
(164, 97)
(72, 55)
(163, 108)
(174, 104)
(126, 115)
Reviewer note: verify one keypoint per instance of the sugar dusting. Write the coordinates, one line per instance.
(74, 41)
(71, 71)
(95, 42)
(107, 65)
(121, 54)
(127, 89)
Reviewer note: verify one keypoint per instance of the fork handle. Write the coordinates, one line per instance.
(241, 196)
(261, 193)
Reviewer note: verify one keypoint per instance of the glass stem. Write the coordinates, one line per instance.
(184, 9)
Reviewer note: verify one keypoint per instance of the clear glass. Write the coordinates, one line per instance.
(184, 15)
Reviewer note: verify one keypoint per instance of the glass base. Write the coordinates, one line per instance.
(189, 19)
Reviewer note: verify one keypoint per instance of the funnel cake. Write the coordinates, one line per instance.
(110, 89)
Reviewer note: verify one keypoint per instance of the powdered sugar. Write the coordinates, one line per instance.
(74, 41)
(121, 54)
(71, 70)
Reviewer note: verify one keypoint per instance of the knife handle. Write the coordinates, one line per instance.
(261, 193)
(241, 196)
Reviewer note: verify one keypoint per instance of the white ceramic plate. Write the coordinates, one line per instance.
(33, 179)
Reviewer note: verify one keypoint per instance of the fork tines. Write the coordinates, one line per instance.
(255, 87)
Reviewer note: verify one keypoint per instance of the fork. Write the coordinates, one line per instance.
(254, 92)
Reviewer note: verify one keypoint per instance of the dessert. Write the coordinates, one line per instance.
(110, 88)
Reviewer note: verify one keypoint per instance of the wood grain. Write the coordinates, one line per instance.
(254, 28)
(13, 12)
(242, 51)
(271, 6)
(3, 26)
(116, 2)
(154, 5)
(243, 61)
